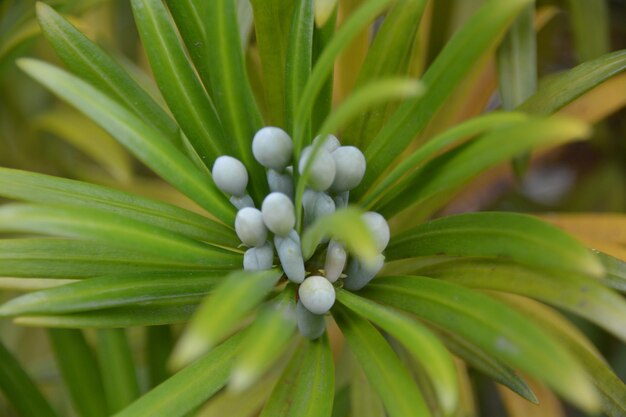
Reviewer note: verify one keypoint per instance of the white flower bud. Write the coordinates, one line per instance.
(278, 213)
(322, 171)
(350, 168)
(317, 294)
(280, 183)
(250, 227)
(242, 202)
(316, 205)
(290, 255)
(310, 325)
(230, 175)
(330, 144)
(379, 228)
(272, 147)
(342, 199)
(259, 259)
(358, 275)
(335, 260)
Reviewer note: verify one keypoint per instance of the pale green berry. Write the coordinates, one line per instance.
(278, 213)
(230, 175)
(335, 261)
(272, 147)
(322, 172)
(290, 255)
(280, 183)
(359, 275)
(350, 168)
(317, 294)
(342, 199)
(310, 325)
(316, 205)
(379, 228)
(242, 202)
(330, 144)
(250, 227)
(260, 258)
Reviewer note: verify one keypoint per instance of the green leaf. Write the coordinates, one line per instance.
(322, 35)
(364, 401)
(615, 276)
(80, 370)
(307, 386)
(591, 24)
(346, 226)
(221, 312)
(271, 22)
(153, 314)
(19, 389)
(425, 348)
(299, 59)
(385, 372)
(454, 136)
(562, 89)
(498, 330)
(90, 62)
(178, 82)
(488, 365)
(44, 189)
(451, 170)
(118, 369)
(368, 96)
(461, 55)
(578, 294)
(325, 63)
(70, 258)
(265, 341)
(113, 291)
(159, 344)
(517, 237)
(146, 143)
(113, 230)
(189, 387)
(231, 88)
(399, 28)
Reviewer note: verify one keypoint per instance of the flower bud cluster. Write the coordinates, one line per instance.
(333, 172)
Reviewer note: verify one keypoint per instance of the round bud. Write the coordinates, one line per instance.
(342, 199)
(259, 259)
(379, 228)
(250, 227)
(310, 325)
(322, 171)
(278, 213)
(230, 175)
(290, 255)
(317, 294)
(272, 147)
(359, 275)
(280, 183)
(242, 202)
(350, 168)
(316, 205)
(335, 261)
(330, 144)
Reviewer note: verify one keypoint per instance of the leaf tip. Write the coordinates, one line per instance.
(190, 347)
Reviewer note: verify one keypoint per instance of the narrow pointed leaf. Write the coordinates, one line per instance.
(159, 344)
(578, 294)
(346, 226)
(464, 51)
(39, 188)
(91, 63)
(364, 400)
(591, 24)
(189, 387)
(418, 340)
(490, 325)
(80, 370)
(113, 291)
(307, 385)
(117, 367)
(221, 312)
(386, 373)
(19, 389)
(615, 276)
(113, 230)
(518, 237)
(146, 143)
(181, 88)
(322, 36)
(265, 340)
